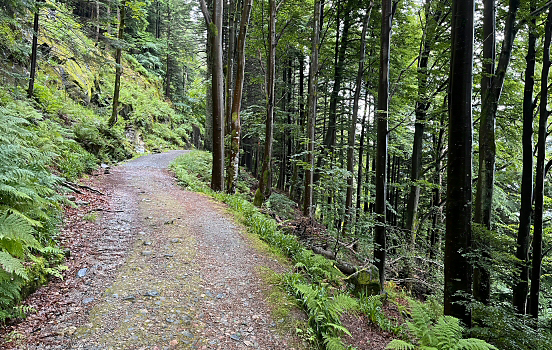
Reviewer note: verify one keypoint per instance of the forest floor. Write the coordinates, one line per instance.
(155, 267)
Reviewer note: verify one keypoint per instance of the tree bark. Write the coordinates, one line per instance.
(361, 155)
(458, 241)
(230, 68)
(491, 85)
(522, 253)
(34, 48)
(265, 183)
(382, 136)
(232, 172)
(214, 25)
(539, 178)
(352, 129)
(118, 65)
(312, 105)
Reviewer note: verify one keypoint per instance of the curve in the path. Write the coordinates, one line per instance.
(180, 274)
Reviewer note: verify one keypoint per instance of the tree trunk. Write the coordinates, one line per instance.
(312, 104)
(265, 183)
(382, 130)
(522, 253)
(458, 241)
(330, 138)
(118, 65)
(214, 25)
(33, 53)
(360, 156)
(230, 68)
(539, 178)
(232, 171)
(168, 72)
(491, 89)
(352, 129)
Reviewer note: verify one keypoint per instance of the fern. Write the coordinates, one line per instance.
(445, 334)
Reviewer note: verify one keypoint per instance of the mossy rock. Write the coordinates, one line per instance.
(366, 281)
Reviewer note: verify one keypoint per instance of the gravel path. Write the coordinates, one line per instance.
(166, 269)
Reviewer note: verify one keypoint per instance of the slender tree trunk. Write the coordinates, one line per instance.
(458, 241)
(491, 85)
(539, 179)
(168, 72)
(230, 66)
(352, 129)
(422, 105)
(360, 156)
(522, 285)
(118, 65)
(214, 25)
(97, 20)
(34, 48)
(330, 137)
(232, 171)
(313, 99)
(265, 183)
(382, 129)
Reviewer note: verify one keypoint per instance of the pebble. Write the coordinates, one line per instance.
(147, 253)
(220, 295)
(87, 300)
(129, 298)
(82, 272)
(147, 243)
(152, 293)
(175, 240)
(187, 334)
(236, 337)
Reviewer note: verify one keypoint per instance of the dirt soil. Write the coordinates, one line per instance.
(153, 267)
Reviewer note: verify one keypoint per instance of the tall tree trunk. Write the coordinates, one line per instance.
(330, 137)
(34, 48)
(230, 66)
(232, 171)
(382, 129)
(312, 104)
(491, 89)
(539, 178)
(265, 183)
(422, 106)
(97, 20)
(361, 155)
(168, 72)
(214, 25)
(352, 128)
(458, 241)
(522, 253)
(118, 65)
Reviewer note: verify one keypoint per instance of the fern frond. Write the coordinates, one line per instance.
(333, 343)
(12, 265)
(474, 344)
(397, 344)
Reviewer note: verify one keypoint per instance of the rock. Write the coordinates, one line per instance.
(187, 334)
(82, 203)
(169, 320)
(70, 330)
(168, 255)
(248, 343)
(147, 243)
(143, 311)
(129, 298)
(220, 295)
(71, 198)
(366, 281)
(82, 272)
(175, 240)
(152, 293)
(236, 337)
(87, 300)
(147, 253)
(173, 343)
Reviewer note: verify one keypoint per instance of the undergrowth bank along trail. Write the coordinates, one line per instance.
(165, 268)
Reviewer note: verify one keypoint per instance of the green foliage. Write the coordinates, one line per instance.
(281, 205)
(443, 334)
(372, 307)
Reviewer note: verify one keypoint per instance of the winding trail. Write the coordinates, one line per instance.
(168, 269)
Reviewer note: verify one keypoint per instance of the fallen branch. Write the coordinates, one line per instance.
(69, 186)
(106, 210)
(73, 186)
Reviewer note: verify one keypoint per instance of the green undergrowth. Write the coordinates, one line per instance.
(62, 134)
(320, 288)
(315, 284)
